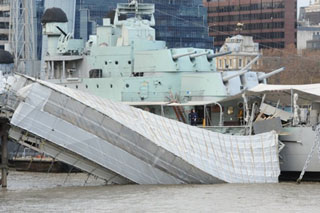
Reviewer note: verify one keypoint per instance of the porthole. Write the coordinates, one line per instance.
(111, 85)
(127, 85)
(87, 86)
(116, 62)
(97, 85)
(106, 63)
(129, 62)
(76, 86)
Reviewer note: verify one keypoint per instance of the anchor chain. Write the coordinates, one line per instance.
(315, 145)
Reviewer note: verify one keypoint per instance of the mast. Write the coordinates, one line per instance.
(135, 8)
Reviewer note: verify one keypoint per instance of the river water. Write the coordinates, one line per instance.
(39, 192)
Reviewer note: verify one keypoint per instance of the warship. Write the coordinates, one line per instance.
(125, 63)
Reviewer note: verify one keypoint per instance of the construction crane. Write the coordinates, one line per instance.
(22, 35)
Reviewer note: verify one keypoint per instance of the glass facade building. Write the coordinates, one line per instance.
(181, 23)
(39, 12)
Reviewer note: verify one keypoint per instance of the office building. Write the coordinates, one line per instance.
(312, 13)
(307, 33)
(314, 43)
(271, 23)
(4, 22)
(181, 23)
(309, 27)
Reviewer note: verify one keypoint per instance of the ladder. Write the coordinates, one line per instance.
(179, 111)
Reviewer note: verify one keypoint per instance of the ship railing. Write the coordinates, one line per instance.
(149, 96)
(27, 153)
(234, 130)
(143, 96)
(183, 96)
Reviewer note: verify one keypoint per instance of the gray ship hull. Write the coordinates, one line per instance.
(298, 145)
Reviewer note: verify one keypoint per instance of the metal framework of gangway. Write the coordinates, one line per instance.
(123, 144)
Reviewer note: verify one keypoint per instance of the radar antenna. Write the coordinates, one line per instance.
(134, 3)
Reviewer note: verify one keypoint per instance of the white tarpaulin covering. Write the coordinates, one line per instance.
(307, 92)
(140, 146)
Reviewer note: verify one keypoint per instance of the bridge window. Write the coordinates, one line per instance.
(95, 73)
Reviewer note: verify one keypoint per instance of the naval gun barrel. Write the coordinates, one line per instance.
(211, 56)
(64, 33)
(175, 57)
(268, 75)
(193, 56)
(242, 71)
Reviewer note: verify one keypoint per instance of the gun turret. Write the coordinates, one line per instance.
(211, 56)
(242, 71)
(64, 33)
(193, 56)
(176, 57)
(268, 75)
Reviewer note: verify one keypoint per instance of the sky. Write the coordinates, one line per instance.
(302, 3)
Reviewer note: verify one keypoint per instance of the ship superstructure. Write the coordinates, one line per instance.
(125, 62)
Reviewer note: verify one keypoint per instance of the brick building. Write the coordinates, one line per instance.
(271, 23)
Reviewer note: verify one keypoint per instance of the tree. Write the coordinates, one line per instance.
(301, 68)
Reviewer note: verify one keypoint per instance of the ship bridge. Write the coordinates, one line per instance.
(138, 27)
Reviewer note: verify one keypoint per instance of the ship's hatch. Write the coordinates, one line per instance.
(144, 90)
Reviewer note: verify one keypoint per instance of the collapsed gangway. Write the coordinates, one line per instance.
(123, 144)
